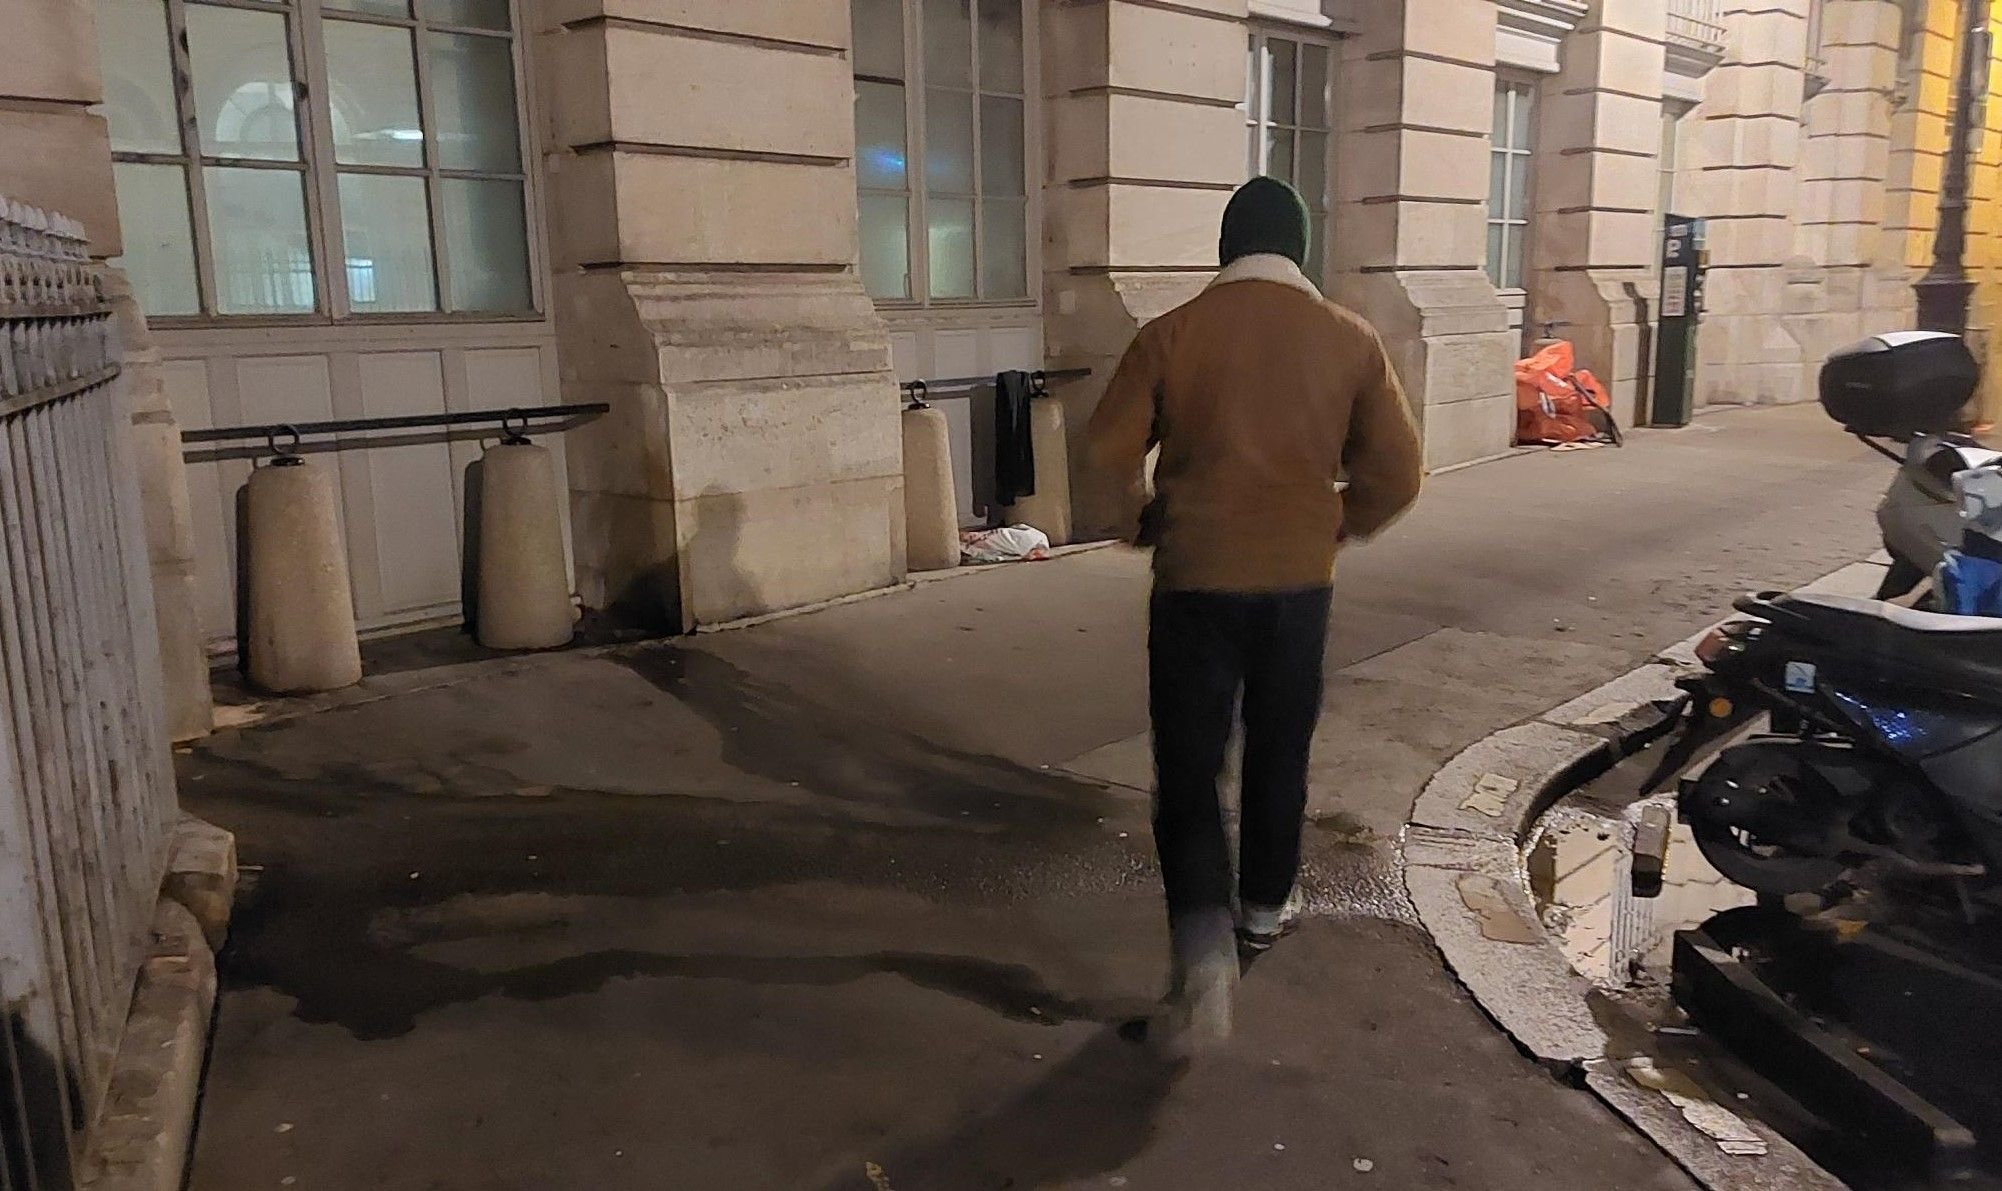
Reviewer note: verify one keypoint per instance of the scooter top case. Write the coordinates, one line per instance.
(1900, 384)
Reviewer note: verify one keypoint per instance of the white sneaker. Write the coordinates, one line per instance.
(1259, 927)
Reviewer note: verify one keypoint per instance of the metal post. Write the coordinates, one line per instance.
(1944, 291)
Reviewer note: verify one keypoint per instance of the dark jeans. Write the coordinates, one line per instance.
(1204, 650)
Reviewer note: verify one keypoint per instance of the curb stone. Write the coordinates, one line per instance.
(146, 1130)
(1464, 871)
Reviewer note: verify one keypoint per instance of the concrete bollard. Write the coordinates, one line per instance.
(931, 503)
(524, 600)
(301, 624)
(1049, 509)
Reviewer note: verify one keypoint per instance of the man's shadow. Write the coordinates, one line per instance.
(1089, 1116)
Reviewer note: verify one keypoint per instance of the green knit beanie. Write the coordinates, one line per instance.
(1265, 215)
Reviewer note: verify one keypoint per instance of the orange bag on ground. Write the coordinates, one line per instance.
(1555, 402)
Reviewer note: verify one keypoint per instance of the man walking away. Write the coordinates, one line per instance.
(1261, 395)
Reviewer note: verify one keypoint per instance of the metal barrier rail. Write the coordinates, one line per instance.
(86, 790)
(920, 391)
(504, 418)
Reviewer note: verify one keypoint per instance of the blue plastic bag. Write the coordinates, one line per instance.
(1970, 585)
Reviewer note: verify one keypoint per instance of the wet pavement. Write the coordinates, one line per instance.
(862, 899)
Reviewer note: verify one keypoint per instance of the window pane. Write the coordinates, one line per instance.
(372, 89)
(880, 145)
(886, 245)
(951, 241)
(467, 14)
(1285, 75)
(386, 241)
(1313, 165)
(879, 37)
(1495, 253)
(1314, 86)
(948, 26)
(1498, 185)
(1004, 249)
(949, 141)
(1001, 151)
(379, 8)
(1001, 46)
(243, 83)
(1504, 97)
(472, 87)
(159, 245)
(486, 245)
(1279, 153)
(257, 222)
(1518, 187)
(1522, 112)
(138, 76)
(1512, 259)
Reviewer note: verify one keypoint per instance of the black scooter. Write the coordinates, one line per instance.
(1882, 768)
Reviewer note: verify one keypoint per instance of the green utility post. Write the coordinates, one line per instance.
(1682, 260)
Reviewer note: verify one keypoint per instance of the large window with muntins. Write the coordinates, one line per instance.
(1508, 181)
(384, 135)
(1288, 109)
(942, 178)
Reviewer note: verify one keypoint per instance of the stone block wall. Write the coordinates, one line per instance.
(1597, 182)
(1415, 106)
(700, 161)
(1141, 111)
(1846, 154)
(1746, 182)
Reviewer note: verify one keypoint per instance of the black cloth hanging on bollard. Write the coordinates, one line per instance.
(1014, 448)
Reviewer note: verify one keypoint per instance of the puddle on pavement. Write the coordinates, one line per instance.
(1580, 869)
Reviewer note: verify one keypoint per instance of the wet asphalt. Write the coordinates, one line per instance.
(865, 899)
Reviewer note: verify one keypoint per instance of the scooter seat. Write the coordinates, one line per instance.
(1959, 652)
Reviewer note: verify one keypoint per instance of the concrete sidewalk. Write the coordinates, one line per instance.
(860, 899)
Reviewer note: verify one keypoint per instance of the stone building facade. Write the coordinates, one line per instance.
(741, 223)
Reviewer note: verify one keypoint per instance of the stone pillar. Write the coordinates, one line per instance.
(1597, 182)
(1749, 188)
(1845, 165)
(705, 285)
(170, 526)
(1147, 142)
(56, 154)
(1410, 218)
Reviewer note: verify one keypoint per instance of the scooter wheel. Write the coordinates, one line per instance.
(1756, 813)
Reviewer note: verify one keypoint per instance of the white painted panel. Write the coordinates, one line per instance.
(1015, 348)
(211, 504)
(416, 530)
(500, 378)
(956, 353)
(906, 356)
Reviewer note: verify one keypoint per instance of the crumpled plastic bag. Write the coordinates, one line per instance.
(1557, 402)
(1969, 585)
(1011, 543)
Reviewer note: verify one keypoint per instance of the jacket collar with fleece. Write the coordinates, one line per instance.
(1266, 266)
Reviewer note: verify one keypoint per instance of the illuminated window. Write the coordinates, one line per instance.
(406, 166)
(942, 178)
(1287, 107)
